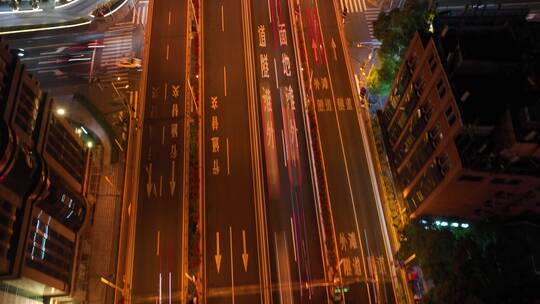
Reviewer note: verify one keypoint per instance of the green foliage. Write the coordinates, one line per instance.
(489, 263)
(14, 4)
(395, 30)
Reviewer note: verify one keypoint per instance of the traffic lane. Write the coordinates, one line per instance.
(155, 213)
(354, 148)
(158, 246)
(347, 232)
(335, 56)
(365, 204)
(306, 209)
(296, 193)
(229, 196)
(170, 19)
(281, 196)
(160, 212)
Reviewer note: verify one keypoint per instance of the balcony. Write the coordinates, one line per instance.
(423, 188)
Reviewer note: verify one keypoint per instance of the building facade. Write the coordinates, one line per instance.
(43, 173)
(462, 121)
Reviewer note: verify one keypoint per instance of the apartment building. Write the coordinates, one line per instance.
(462, 121)
(43, 174)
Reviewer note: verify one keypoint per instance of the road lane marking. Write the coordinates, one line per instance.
(293, 239)
(172, 182)
(149, 183)
(333, 45)
(170, 288)
(217, 256)
(245, 255)
(167, 55)
(232, 264)
(163, 135)
(275, 72)
(169, 17)
(157, 247)
(165, 90)
(370, 262)
(228, 163)
(222, 20)
(160, 288)
(284, 148)
(269, 11)
(225, 80)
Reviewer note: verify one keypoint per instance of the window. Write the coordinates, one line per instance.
(503, 181)
(514, 182)
(440, 83)
(498, 181)
(470, 178)
(452, 120)
(450, 116)
(432, 63)
(441, 88)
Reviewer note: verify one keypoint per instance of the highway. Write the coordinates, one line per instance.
(232, 207)
(363, 261)
(160, 257)
(292, 227)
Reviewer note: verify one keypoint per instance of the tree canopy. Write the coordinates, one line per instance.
(489, 263)
(395, 30)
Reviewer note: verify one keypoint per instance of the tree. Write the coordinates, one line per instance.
(14, 4)
(395, 30)
(488, 263)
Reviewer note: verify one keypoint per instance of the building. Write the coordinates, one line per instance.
(43, 174)
(462, 122)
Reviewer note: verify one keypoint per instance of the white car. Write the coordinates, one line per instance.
(130, 63)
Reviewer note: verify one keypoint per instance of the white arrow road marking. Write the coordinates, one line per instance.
(217, 256)
(149, 184)
(333, 45)
(172, 183)
(245, 256)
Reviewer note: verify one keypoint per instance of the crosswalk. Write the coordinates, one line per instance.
(371, 14)
(140, 14)
(359, 6)
(117, 44)
(353, 6)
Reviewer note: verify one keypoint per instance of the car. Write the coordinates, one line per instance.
(129, 63)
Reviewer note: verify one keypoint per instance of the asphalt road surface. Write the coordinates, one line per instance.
(159, 257)
(293, 231)
(363, 263)
(231, 243)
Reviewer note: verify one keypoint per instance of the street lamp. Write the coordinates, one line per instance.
(61, 111)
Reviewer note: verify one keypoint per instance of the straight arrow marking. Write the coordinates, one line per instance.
(245, 256)
(172, 183)
(217, 256)
(149, 183)
(333, 45)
